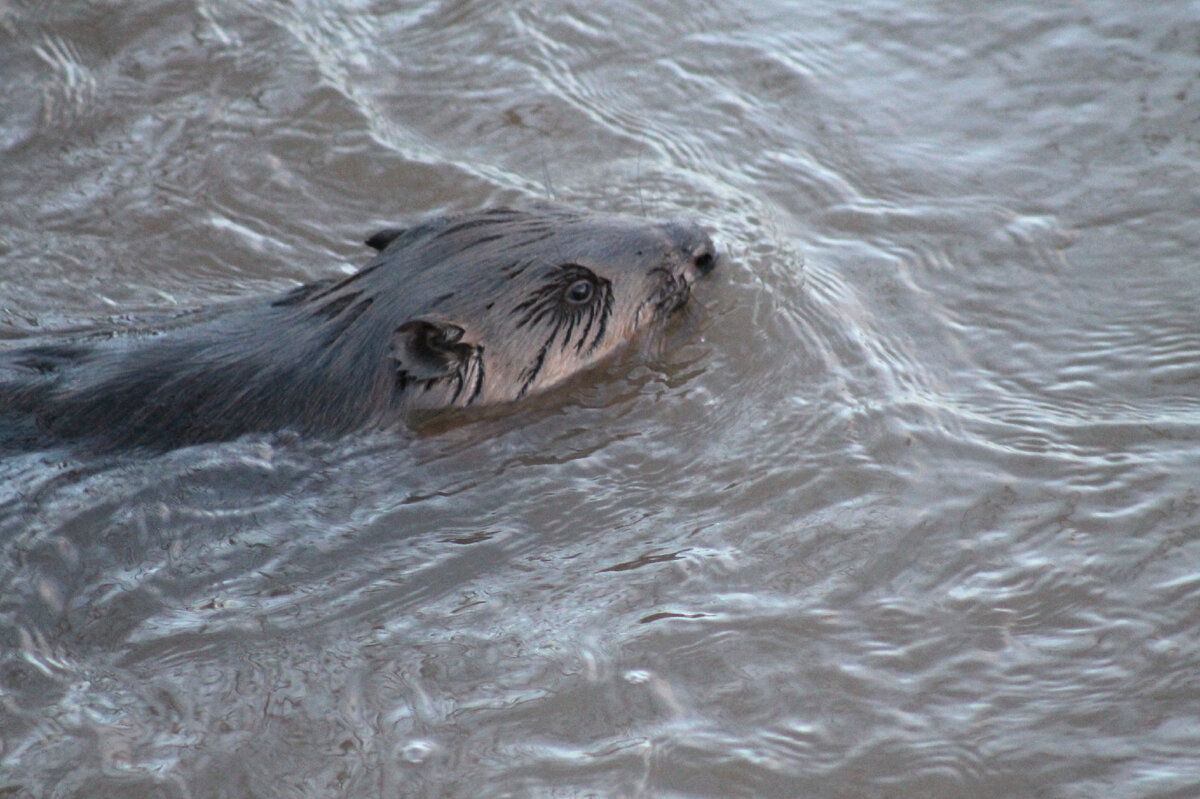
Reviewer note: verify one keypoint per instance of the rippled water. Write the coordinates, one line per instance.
(905, 506)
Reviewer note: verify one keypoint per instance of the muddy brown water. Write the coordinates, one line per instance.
(905, 505)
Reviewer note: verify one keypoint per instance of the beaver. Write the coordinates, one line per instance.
(459, 311)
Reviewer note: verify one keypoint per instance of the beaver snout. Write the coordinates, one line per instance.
(704, 258)
(700, 256)
(695, 250)
(691, 256)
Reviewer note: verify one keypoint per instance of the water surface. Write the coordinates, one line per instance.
(905, 505)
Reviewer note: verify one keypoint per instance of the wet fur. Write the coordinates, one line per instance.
(459, 311)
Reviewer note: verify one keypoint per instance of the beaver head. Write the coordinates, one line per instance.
(470, 310)
(498, 305)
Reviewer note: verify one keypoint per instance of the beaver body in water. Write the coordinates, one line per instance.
(462, 311)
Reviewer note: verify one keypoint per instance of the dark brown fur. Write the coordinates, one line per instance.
(472, 310)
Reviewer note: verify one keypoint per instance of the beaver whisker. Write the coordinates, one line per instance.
(459, 383)
(477, 365)
(538, 306)
(480, 241)
(672, 292)
(535, 239)
(515, 269)
(343, 322)
(459, 227)
(593, 317)
(530, 373)
(573, 317)
(338, 304)
(473, 365)
(583, 334)
(337, 285)
(605, 313)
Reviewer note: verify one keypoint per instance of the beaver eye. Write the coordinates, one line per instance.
(580, 292)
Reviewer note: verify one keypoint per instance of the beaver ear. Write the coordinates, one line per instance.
(426, 350)
(379, 241)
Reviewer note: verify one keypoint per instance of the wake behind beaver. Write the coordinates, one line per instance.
(461, 311)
